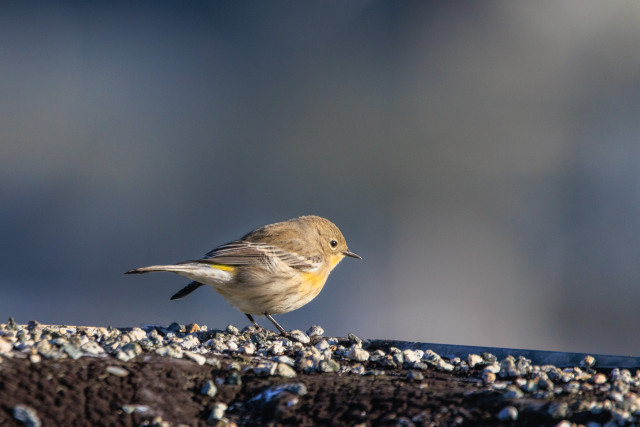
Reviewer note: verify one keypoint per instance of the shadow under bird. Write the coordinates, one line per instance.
(274, 269)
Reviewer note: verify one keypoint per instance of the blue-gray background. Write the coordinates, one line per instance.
(483, 157)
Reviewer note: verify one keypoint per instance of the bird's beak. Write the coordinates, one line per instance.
(351, 254)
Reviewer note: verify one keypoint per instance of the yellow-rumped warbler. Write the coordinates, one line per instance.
(274, 269)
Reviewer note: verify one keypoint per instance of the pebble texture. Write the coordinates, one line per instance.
(131, 376)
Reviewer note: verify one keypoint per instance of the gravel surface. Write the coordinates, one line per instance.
(190, 375)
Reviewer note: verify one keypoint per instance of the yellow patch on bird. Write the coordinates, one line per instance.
(227, 268)
(335, 259)
(312, 283)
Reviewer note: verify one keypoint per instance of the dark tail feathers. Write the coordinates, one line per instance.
(187, 290)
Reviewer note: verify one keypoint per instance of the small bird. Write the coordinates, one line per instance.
(274, 269)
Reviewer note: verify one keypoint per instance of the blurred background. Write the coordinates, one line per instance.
(483, 157)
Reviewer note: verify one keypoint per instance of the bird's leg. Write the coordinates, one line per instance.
(276, 324)
(258, 327)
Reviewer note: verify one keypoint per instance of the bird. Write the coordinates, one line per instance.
(271, 270)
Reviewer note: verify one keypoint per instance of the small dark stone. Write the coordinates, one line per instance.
(176, 327)
(415, 375)
(234, 378)
(33, 324)
(354, 339)
(489, 358)
(26, 415)
(12, 325)
(209, 389)
(259, 338)
(559, 410)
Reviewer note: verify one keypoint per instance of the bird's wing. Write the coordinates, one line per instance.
(248, 253)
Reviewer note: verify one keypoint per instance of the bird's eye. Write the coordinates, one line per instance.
(333, 243)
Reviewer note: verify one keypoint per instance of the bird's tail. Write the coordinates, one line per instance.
(200, 273)
(186, 290)
(182, 269)
(175, 268)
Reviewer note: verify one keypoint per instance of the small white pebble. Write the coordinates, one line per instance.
(217, 413)
(286, 360)
(322, 345)
(410, 356)
(300, 336)
(357, 353)
(284, 370)
(198, 358)
(508, 413)
(315, 331)
(117, 371)
(247, 349)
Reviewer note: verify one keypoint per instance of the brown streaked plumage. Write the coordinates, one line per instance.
(271, 270)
